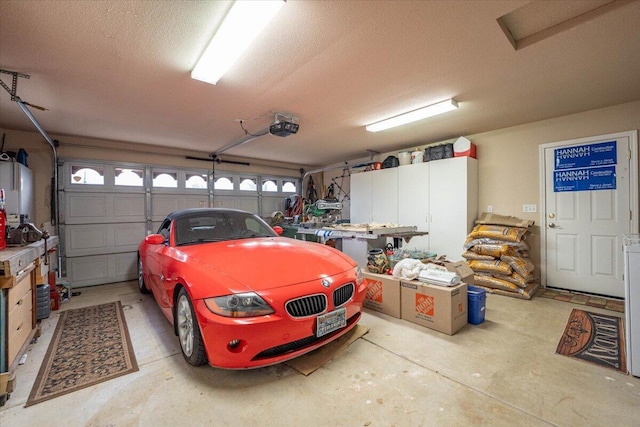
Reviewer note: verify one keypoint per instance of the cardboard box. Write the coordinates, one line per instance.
(461, 268)
(442, 308)
(383, 293)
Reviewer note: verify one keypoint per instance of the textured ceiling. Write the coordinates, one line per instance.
(120, 70)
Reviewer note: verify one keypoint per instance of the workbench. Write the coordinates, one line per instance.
(22, 268)
(358, 239)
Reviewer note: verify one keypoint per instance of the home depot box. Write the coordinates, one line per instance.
(383, 293)
(443, 308)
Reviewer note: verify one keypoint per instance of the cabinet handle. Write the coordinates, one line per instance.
(19, 326)
(20, 302)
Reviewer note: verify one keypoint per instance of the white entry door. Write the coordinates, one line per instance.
(590, 202)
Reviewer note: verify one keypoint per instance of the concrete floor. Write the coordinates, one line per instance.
(503, 372)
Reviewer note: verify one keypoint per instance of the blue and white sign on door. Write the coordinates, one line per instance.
(585, 167)
(586, 156)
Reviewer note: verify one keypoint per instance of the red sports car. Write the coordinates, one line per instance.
(239, 295)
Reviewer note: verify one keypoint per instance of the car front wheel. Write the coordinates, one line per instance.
(141, 284)
(189, 331)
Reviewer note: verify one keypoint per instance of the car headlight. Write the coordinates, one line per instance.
(359, 276)
(246, 304)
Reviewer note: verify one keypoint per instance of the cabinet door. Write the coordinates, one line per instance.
(453, 204)
(384, 195)
(413, 201)
(360, 203)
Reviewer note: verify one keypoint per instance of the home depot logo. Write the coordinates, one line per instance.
(425, 304)
(374, 291)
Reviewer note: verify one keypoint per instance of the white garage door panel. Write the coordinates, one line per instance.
(82, 240)
(91, 208)
(129, 236)
(129, 208)
(246, 203)
(272, 204)
(163, 204)
(83, 207)
(101, 269)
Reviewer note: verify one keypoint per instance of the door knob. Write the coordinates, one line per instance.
(552, 225)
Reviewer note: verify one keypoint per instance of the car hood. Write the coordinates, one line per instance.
(267, 263)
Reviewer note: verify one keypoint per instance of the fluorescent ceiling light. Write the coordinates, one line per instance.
(415, 115)
(241, 26)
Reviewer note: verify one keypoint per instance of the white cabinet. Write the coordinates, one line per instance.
(440, 197)
(413, 201)
(360, 198)
(376, 196)
(453, 204)
(384, 190)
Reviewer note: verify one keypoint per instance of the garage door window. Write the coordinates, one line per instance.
(248, 184)
(196, 181)
(165, 179)
(129, 177)
(269, 185)
(223, 183)
(87, 175)
(289, 187)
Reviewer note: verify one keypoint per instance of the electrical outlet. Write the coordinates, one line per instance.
(489, 208)
(530, 208)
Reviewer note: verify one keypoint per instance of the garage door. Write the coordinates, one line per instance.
(106, 210)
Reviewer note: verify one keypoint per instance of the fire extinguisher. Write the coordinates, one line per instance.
(3, 221)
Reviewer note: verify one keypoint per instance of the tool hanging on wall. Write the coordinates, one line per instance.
(346, 172)
(312, 194)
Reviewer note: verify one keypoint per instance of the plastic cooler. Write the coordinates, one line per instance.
(477, 304)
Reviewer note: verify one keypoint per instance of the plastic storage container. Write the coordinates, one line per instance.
(477, 304)
(43, 307)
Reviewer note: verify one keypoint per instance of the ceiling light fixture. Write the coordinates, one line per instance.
(415, 115)
(241, 26)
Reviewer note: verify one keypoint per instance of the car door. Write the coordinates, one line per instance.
(155, 253)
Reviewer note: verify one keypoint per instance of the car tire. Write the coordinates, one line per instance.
(188, 330)
(142, 286)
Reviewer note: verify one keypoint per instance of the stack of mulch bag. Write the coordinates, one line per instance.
(497, 252)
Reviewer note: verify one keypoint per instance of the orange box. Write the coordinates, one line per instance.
(442, 308)
(383, 293)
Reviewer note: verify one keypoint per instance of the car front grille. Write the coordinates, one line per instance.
(343, 294)
(307, 306)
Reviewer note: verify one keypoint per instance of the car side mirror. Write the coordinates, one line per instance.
(279, 230)
(154, 239)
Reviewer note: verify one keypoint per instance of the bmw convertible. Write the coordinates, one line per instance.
(241, 296)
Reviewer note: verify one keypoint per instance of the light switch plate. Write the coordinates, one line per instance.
(529, 208)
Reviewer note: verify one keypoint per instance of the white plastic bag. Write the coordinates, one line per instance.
(408, 268)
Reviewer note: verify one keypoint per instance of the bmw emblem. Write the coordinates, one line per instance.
(325, 283)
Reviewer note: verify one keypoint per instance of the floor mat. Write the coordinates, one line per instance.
(308, 363)
(595, 338)
(582, 299)
(89, 345)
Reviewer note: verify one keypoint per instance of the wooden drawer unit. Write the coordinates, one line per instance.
(17, 292)
(20, 323)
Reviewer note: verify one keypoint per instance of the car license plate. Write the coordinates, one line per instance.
(331, 321)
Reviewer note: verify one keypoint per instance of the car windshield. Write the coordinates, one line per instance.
(217, 226)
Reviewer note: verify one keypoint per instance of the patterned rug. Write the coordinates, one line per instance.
(89, 345)
(595, 338)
